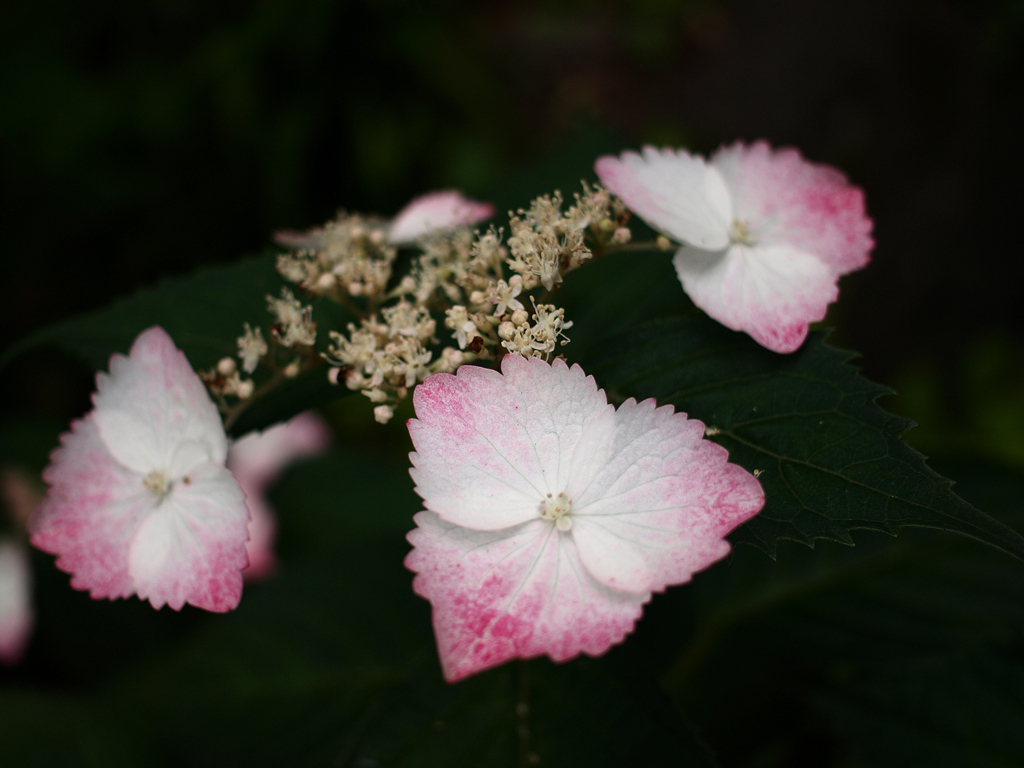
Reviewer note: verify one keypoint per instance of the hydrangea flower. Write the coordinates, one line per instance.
(445, 209)
(140, 501)
(436, 210)
(16, 615)
(257, 460)
(552, 517)
(766, 234)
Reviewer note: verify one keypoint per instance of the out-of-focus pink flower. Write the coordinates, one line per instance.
(552, 517)
(436, 210)
(20, 496)
(766, 234)
(16, 615)
(441, 210)
(256, 461)
(140, 501)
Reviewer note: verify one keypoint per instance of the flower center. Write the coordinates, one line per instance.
(557, 509)
(739, 233)
(158, 483)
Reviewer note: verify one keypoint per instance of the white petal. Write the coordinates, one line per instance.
(676, 193)
(151, 402)
(772, 293)
(191, 548)
(659, 510)
(490, 447)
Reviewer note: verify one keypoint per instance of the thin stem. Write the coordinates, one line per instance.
(235, 412)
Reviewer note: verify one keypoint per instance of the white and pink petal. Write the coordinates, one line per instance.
(515, 593)
(433, 211)
(789, 201)
(91, 513)
(772, 293)
(661, 508)
(16, 614)
(152, 410)
(490, 446)
(191, 547)
(677, 193)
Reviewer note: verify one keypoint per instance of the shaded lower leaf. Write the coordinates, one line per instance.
(40, 730)
(893, 653)
(830, 459)
(334, 664)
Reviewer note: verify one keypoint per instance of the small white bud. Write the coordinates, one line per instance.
(326, 281)
(355, 288)
(516, 281)
(606, 225)
(383, 413)
(332, 375)
(663, 243)
(506, 330)
(477, 297)
(408, 284)
(291, 370)
(244, 389)
(376, 395)
(226, 366)
(622, 235)
(377, 237)
(520, 317)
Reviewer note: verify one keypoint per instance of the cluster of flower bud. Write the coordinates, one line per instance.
(225, 380)
(452, 266)
(546, 242)
(460, 272)
(293, 323)
(349, 256)
(384, 358)
(511, 328)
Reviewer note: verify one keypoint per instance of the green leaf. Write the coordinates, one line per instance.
(893, 653)
(830, 459)
(203, 313)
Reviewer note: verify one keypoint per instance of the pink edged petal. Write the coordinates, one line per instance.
(262, 535)
(436, 210)
(515, 593)
(490, 446)
(789, 201)
(259, 457)
(191, 549)
(660, 509)
(16, 615)
(772, 293)
(151, 402)
(91, 513)
(256, 460)
(675, 192)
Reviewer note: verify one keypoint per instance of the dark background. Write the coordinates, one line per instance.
(141, 139)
